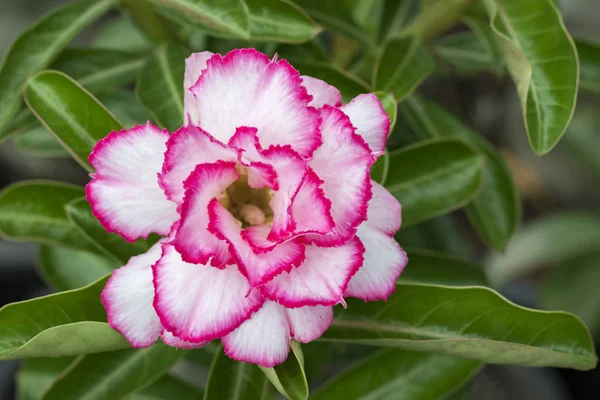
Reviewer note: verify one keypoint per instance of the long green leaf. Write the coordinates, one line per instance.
(160, 85)
(556, 239)
(289, 378)
(496, 211)
(395, 15)
(39, 142)
(404, 63)
(121, 34)
(72, 114)
(589, 58)
(227, 18)
(541, 57)
(111, 244)
(34, 211)
(229, 379)
(62, 324)
(399, 375)
(67, 269)
(280, 21)
(431, 267)
(113, 375)
(337, 16)
(99, 70)
(37, 47)
(470, 322)
(434, 177)
(37, 374)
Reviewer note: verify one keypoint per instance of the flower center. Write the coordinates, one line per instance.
(246, 204)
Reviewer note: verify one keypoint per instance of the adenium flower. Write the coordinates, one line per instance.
(263, 197)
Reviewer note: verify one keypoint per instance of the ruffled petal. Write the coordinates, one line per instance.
(384, 262)
(171, 340)
(128, 296)
(258, 268)
(194, 65)
(186, 148)
(370, 120)
(193, 240)
(264, 339)
(245, 88)
(199, 303)
(309, 323)
(384, 212)
(311, 209)
(343, 163)
(322, 278)
(322, 92)
(124, 191)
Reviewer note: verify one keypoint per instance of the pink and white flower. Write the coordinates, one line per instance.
(263, 197)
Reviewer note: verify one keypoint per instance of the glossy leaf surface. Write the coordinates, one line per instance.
(470, 322)
(434, 177)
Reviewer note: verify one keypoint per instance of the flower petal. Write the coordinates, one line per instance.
(258, 268)
(245, 88)
(309, 323)
(370, 120)
(311, 209)
(193, 240)
(343, 163)
(171, 340)
(128, 296)
(322, 92)
(384, 212)
(264, 339)
(124, 192)
(200, 303)
(384, 262)
(194, 65)
(186, 148)
(320, 280)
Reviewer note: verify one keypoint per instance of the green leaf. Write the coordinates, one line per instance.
(110, 244)
(399, 375)
(121, 34)
(72, 114)
(228, 18)
(541, 57)
(337, 16)
(67, 269)
(589, 59)
(555, 239)
(99, 70)
(433, 178)
(168, 387)
(280, 21)
(37, 374)
(63, 324)
(496, 211)
(34, 211)
(160, 85)
(39, 142)
(126, 107)
(572, 286)
(431, 267)
(37, 47)
(115, 374)
(289, 378)
(469, 322)
(349, 85)
(404, 63)
(395, 15)
(229, 379)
